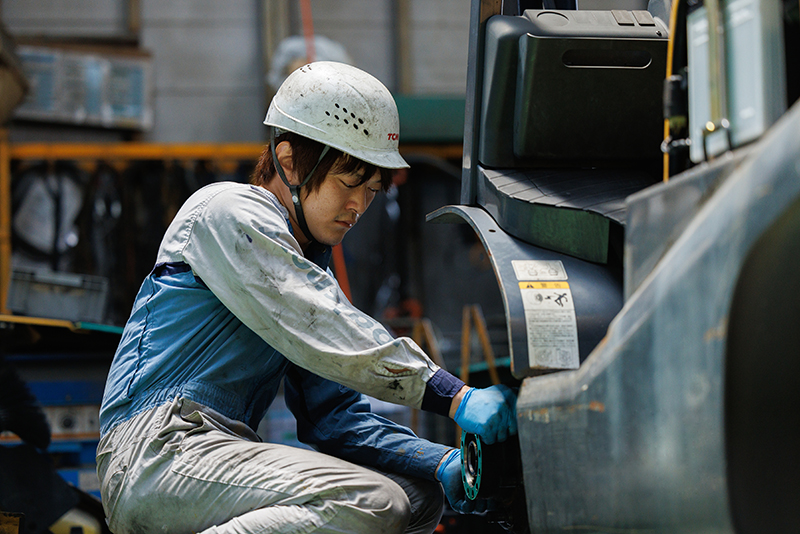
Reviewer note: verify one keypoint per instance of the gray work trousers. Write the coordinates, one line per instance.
(182, 468)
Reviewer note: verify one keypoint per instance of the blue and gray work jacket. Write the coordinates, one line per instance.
(233, 307)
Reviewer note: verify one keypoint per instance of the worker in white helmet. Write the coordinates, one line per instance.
(241, 299)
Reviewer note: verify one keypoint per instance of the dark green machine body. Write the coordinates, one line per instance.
(680, 416)
(571, 88)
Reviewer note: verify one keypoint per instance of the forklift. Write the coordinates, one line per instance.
(632, 169)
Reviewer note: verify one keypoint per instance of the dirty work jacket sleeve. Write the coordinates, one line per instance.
(338, 421)
(237, 241)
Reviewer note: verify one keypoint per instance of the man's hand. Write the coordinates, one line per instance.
(449, 474)
(490, 413)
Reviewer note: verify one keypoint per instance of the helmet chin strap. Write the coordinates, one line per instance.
(295, 189)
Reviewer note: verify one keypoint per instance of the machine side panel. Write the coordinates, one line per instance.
(635, 438)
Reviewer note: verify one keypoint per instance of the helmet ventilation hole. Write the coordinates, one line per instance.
(346, 121)
(366, 132)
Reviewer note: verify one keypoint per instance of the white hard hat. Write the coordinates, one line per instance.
(342, 107)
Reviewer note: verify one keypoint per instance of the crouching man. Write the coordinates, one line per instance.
(240, 300)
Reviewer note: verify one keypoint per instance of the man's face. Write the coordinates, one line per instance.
(336, 206)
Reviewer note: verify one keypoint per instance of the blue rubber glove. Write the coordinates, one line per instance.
(449, 474)
(489, 413)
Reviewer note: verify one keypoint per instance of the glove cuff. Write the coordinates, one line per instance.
(444, 463)
(462, 405)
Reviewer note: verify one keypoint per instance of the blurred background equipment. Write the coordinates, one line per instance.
(292, 53)
(84, 85)
(46, 200)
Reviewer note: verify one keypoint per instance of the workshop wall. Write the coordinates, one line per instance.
(364, 27)
(439, 43)
(438, 35)
(208, 83)
(210, 58)
(90, 18)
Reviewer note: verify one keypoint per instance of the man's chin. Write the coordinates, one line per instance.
(332, 242)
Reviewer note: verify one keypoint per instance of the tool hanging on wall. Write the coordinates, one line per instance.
(46, 201)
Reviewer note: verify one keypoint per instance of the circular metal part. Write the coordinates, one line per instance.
(494, 472)
(471, 464)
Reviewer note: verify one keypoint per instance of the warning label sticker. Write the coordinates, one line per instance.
(539, 270)
(551, 325)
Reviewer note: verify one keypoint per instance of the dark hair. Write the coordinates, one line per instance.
(305, 153)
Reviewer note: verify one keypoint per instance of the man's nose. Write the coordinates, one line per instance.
(358, 200)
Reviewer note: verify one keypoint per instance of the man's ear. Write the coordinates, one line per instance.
(283, 151)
